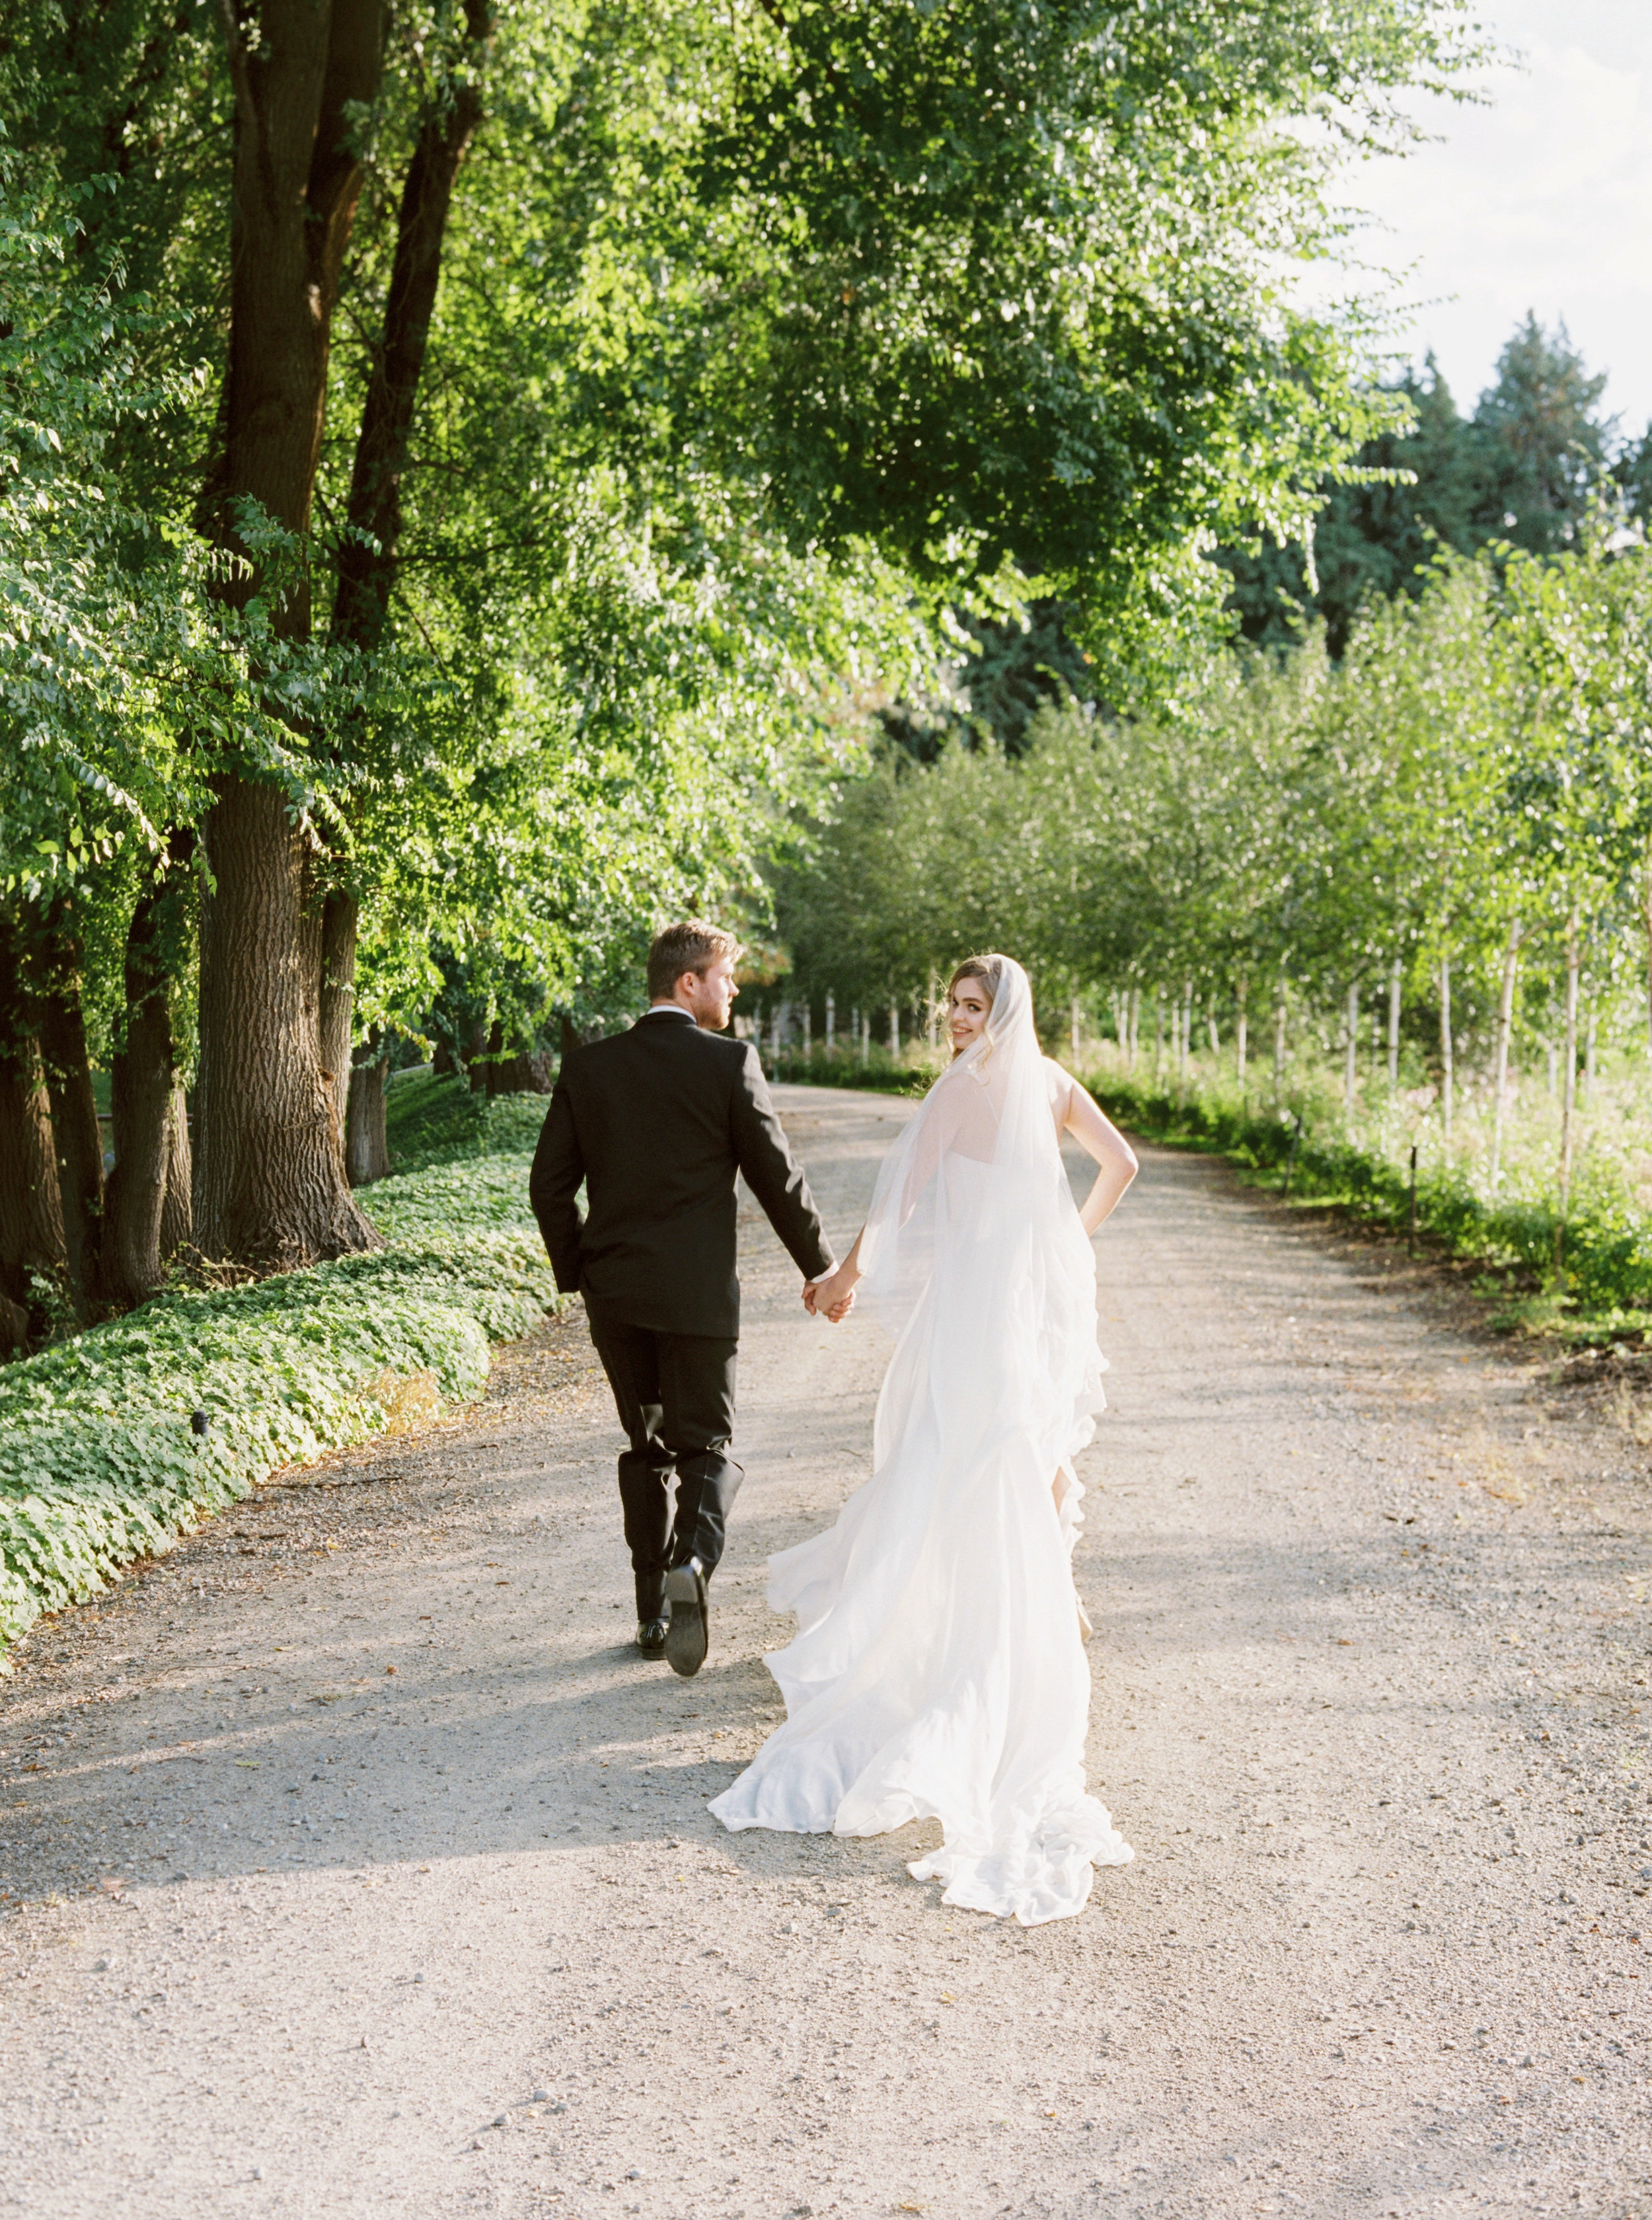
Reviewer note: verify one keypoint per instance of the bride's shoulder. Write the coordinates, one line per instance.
(1059, 1082)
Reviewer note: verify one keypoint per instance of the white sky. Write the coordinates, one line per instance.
(1543, 200)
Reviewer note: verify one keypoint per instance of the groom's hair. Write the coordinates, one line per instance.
(688, 947)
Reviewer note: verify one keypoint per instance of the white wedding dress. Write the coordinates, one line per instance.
(937, 1671)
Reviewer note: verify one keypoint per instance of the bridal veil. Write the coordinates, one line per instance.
(937, 1670)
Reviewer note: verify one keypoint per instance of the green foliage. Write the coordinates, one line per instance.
(97, 1460)
(1523, 470)
(431, 1120)
(1604, 1286)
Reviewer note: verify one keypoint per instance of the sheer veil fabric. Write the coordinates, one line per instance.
(937, 1670)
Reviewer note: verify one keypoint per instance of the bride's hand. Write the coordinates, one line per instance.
(832, 1298)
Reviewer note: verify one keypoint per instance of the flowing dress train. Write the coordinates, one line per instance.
(937, 1670)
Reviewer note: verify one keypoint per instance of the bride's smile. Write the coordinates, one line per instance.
(968, 1007)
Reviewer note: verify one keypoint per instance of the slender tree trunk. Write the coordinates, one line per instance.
(340, 916)
(1279, 1042)
(177, 1220)
(1187, 1024)
(895, 1027)
(1646, 913)
(1242, 1029)
(1135, 1025)
(1447, 1065)
(143, 1074)
(1074, 1033)
(1505, 1028)
(31, 1216)
(269, 1169)
(831, 1023)
(1589, 1047)
(78, 1139)
(367, 1149)
(1395, 981)
(1350, 1074)
(1210, 1021)
(1569, 1083)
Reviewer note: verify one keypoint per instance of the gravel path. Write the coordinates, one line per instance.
(364, 1871)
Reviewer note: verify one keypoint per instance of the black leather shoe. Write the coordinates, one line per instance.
(690, 1633)
(650, 1636)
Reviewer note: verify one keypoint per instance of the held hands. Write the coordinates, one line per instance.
(829, 1299)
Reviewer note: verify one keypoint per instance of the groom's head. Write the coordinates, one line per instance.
(693, 965)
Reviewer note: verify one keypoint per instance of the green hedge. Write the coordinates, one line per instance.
(98, 1463)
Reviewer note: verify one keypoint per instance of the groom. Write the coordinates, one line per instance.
(656, 1122)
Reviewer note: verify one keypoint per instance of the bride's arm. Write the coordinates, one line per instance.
(1098, 1137)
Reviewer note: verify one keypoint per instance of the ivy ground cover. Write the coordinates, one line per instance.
(113, 1444)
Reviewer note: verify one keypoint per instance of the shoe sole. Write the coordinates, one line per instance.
(687, 1637)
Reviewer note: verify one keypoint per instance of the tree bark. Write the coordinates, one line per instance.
(340, 919)
(1350, 1074)
(1394, 983)
(367, 558)
(31, 1216)
(1447, 1070)
(144, 1074)
(367, 1149)
(177, 1218)
(77, 1140)
(1568, 1077)
(1505, 1027)
(269, 1185)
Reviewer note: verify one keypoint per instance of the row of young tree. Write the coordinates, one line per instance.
(469, 469)
(1447, 832)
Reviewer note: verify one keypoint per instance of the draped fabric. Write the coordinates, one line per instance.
(938, 1670)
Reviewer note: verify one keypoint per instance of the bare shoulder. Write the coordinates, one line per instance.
(1061, 1085)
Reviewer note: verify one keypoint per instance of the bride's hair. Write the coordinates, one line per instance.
(989, 970)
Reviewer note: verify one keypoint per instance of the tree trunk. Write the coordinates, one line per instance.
(31, 1216)
(142, 1075)
(525, 1075)
(177, 1218)
(1350, 1074)
(340, 918)
(1505, 1027)
(367, 557)
(1279, 1042)
(1446, 1064)
(269, 1185)
(1568, 1079)
(78, 1139)
(1394, 981)
(367, 1148)
(1242, 1029)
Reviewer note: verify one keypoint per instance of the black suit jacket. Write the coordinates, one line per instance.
(656, 1122)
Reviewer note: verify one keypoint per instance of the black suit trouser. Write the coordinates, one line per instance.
(674, 1395)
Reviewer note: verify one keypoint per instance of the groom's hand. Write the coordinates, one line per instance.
(833, 1313)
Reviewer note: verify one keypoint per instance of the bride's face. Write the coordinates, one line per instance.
(968, 1007)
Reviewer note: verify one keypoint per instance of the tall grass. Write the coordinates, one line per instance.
(1586, 1275)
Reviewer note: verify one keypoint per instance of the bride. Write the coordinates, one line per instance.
(937, 1671)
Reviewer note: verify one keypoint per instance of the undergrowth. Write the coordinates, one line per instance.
(113, 1441)
(1589, 1280)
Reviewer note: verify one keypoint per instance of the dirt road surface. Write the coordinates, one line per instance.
(364, 1870)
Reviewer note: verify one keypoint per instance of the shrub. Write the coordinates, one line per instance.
(99, 1460)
